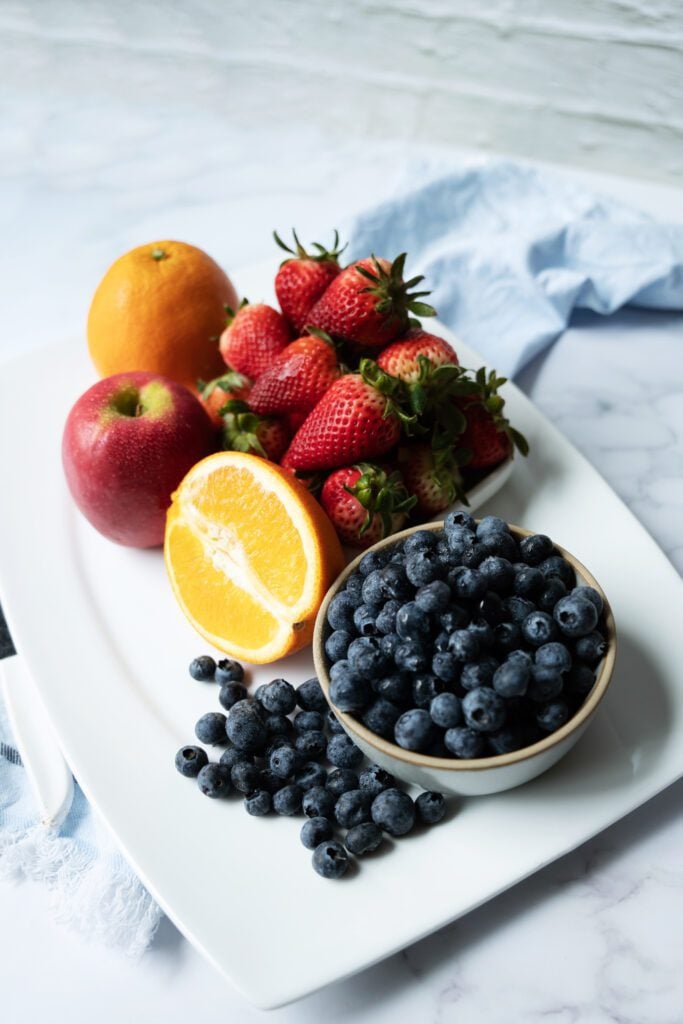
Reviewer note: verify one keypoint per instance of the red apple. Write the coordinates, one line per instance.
(127, 444)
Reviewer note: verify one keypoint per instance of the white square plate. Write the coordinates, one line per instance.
(109, 649)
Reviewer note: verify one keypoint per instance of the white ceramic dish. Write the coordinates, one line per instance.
(485, 775)
(108, 649)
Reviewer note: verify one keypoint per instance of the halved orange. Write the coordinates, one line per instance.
(250, 554)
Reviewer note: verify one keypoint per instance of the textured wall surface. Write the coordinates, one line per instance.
(597, 83)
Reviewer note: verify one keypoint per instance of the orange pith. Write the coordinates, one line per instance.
(250, 555)
(160, 308)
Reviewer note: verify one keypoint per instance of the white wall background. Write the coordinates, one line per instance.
(596, 83)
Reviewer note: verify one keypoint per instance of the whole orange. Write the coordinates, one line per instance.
(160, 308)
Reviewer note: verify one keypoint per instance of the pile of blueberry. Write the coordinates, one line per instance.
(286, 752)
(464, 642)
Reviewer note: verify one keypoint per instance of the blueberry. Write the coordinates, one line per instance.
(287, 801)
(310, 696)
(394, 812)
(433, 597)
(363, 838)
(330, 859)
(233, 755)
(203, 668)
(478, 673)
(491, 525)
(190, 760)
(502, 545)
(270, 781)
(498, 573)
(397, 687)
(464, 742)
(342, 752)
(445, 710)
(244, 776)
(441, 641)
(367, 658)
(373, 561)
(350, 692)
(395, 583)
(483, 631)
(455, 616)
(337, 644)
(552, 592)
(513, 736)
(423, 566)
(555, 567)
(411, 656)
(459, 520)
(389, 643)
(374, 780)
(386, 618)
(430, 807)
(425, 688)
(318, 801)
(373, 591)
(473, 554)
(413, 730)
(332, 722)
(420, 540)
(364, 620)
(310, 775)
(341, 780)
(591, 648)
(552, 716)
(307, 721)
(483, 709)
(538, 628)
(210, 728)
(545, 684)
(511, 679)
(283, 761)
(229, 671)
(381, 717)
(535, 549)
(340, 612)
(352, 808)
(520, 655)
(245, 727)
(463, 645)
(490, 608)
(590, 594)
(278, 696)
(580, 681)
(311, 744)
(446, 667)
(468, 583)
(214, 780)
(528, 582)
(258, 803)
(448, 555)
(412, 623)
(575, 615)
(354, 587)
(275, 743)
(230, 693)
(554, 656)
(517, 608)
(316, 831)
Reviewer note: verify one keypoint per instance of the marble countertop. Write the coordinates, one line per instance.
(596, 936)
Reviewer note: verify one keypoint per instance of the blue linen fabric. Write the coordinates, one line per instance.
(510, 251)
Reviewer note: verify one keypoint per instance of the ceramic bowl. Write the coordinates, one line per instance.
(484, 775)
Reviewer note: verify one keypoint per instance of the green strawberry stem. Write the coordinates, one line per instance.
(380, 494)
(393, 293)
(322, 255)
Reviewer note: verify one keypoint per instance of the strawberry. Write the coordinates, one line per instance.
(357, 418)
(369, 304)
(254, 336)
(215, 393)
(244, 431)
(488, 435)
(432, 476)
(365, 503)
(297, 378)
(301, 281)
(401, 359)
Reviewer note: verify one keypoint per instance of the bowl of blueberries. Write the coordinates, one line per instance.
(466, 656)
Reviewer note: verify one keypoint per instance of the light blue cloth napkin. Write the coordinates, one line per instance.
(91, 886)
(510, 251)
